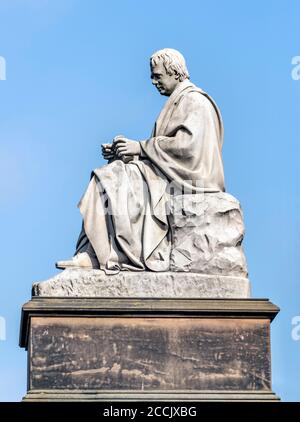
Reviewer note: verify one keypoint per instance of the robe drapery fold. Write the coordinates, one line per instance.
(187, 140)
(124, 209)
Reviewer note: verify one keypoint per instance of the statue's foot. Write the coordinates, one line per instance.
(81, 260)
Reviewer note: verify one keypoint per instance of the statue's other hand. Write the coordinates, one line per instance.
(124, 146)
(107, 151)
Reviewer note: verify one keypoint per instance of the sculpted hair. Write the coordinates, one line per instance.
(173, 62)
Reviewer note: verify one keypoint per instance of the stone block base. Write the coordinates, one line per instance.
(148, 349)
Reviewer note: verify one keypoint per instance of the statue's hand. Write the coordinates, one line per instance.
(123, 146)
(107, 151)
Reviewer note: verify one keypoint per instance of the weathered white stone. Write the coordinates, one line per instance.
(207, 231)
(79, 282)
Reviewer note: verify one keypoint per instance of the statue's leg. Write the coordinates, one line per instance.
(82, 242)
(84, 245)
(84, 256)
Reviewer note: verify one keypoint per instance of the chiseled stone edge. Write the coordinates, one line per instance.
(77, 282)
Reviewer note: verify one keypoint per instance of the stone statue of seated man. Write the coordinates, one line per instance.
(159, 204)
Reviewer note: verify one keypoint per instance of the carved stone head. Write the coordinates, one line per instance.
(168, 68)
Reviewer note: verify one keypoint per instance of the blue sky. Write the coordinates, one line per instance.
(77, 74)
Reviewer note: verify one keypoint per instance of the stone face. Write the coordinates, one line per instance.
(149, 353)
(95, 283)
(207, 231)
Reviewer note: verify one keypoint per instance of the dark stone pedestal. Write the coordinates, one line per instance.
(148, 349)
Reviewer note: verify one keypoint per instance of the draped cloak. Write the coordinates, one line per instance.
(124, 208)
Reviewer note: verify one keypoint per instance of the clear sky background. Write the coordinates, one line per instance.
(77, 74)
